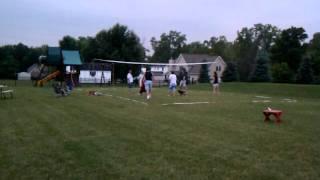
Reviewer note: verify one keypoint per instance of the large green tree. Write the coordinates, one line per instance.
(69, 43)
(245, 52)
(305, 73)
(265, 35)
(289, 47)
(247, 43)
(20, 51)
(169, 46)
(195, 48)
(281, 73)
(17, 58)
(32, 57)
(10, 67)
(314, 51)
(119, 43)
(88, 48)
(220, 47)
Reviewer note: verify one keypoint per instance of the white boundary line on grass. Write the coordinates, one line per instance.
(185, 103)
(289, 100)
(263, 97)
(127, 99)
(263, 101)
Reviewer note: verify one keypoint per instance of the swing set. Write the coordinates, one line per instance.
(97, 71)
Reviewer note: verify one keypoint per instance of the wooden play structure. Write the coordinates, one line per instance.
(63, 64)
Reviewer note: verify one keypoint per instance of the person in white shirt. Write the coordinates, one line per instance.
(130, 79)
(172, 84)
(141, 83)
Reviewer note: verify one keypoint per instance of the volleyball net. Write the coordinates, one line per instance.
(161, 71)
(152, 64)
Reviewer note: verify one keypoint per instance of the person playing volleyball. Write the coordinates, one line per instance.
(141, 83)
(148, 82)
(215, 83)
(172, 84)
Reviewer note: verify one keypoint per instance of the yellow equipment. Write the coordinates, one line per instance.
(48, 78)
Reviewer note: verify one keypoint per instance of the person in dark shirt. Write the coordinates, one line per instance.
(148, 82)
(215, 83)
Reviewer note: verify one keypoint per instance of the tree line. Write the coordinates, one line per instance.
(260, 53)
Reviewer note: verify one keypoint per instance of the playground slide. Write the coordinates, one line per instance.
(48, 78)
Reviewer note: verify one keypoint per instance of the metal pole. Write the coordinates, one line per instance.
(113, 82)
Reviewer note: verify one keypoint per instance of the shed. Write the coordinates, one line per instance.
(24, 76)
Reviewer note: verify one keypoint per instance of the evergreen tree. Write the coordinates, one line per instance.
(231, 72)
(261, 71)
(305, 73)
(204, 74)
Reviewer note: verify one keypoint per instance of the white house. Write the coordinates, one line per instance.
(24, 76)
(159, 72)
(194, 70)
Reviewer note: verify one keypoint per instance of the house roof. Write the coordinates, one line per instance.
(71, 57)
(196, 58)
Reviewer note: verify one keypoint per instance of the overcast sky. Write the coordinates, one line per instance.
(37, 22)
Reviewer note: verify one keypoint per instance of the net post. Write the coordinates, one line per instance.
(113, 82)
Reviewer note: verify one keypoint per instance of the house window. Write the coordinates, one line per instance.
(218, 68)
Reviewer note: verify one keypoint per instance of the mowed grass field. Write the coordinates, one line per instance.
(111, 137)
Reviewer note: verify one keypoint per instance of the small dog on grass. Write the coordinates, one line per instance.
(182, 92)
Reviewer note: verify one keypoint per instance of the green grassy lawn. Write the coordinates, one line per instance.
(108, 137)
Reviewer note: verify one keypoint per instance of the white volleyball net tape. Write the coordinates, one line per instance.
(152, 64)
